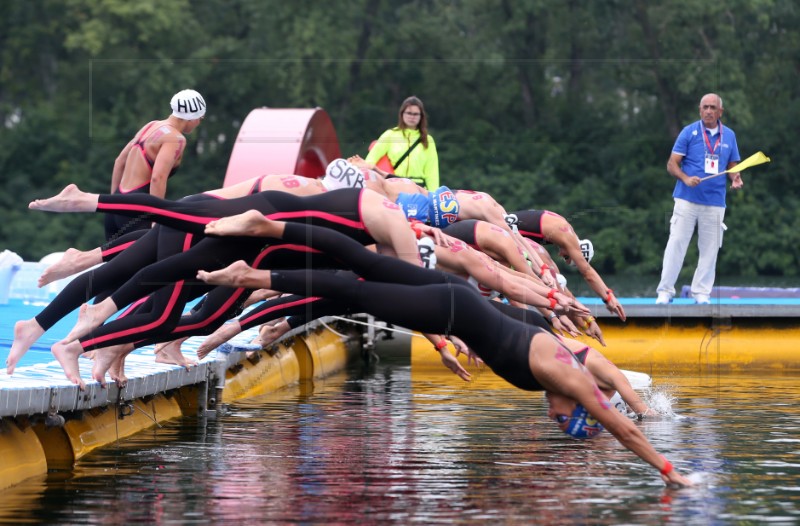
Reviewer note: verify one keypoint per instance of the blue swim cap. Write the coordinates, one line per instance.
(443, 207)
(415, 206)
(580, 424)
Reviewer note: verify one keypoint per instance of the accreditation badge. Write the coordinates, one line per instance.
(712, 164)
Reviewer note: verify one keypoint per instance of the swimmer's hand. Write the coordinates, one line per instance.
(452, 363)
(567, 304)
(614, 306)
(549, 280)
(462, 348)
(593, 331)
(673, 479)
(565, 326)
(438, 236)
(359, 162)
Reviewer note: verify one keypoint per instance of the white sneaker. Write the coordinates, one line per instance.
(663, 298)
(702, 299)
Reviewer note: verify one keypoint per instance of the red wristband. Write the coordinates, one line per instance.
(545, 268)
(441, 345)
(551, 294)
(553, 303)
(667, 469)
(609, 293)
(415, 226)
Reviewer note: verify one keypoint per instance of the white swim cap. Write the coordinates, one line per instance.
(587, 250)
(341, 173)
(188, 105)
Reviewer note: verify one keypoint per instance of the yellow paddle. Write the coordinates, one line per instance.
(753, 160)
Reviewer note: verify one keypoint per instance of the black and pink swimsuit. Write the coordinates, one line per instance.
(530, 224)
(116, 225)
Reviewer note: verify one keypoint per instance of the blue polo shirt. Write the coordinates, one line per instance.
(691, 144)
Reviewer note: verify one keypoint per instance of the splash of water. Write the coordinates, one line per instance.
(662, 401)
(700, 478)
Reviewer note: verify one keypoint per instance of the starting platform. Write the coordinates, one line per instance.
(46, 422)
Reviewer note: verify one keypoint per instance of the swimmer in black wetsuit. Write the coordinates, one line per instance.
(432, 302)
(158, 244)
(101, 282)
(457, 258)
(155, 244)
(361, 214)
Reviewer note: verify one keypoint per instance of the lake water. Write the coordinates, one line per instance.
(379, 445)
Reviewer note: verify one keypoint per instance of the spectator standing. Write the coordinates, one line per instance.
(409, 147)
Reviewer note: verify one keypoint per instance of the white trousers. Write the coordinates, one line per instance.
(685, 216)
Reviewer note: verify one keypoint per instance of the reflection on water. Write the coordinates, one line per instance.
(380, 446)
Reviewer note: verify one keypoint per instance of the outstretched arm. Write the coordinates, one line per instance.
(609, 377)
(572, 248)
(561, 375)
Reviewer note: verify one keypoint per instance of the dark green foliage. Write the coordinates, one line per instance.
(571, 106)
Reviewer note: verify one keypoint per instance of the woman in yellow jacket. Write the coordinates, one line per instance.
(421, 164)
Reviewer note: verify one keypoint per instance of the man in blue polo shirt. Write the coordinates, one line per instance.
(703, 148)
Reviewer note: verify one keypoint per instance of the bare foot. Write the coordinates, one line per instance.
(170, 353)
(269, 333)
(72, 262)
(250, 223)
(108, 357)
(26, 332)
(117, 371)
(217, 338)
(231, 276)
(260, 295)
(67, 355)
(71, 199)
(89, 318)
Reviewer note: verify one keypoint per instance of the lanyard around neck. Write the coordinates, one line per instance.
(706, 139)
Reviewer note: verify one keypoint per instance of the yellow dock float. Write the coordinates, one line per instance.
(48, 423)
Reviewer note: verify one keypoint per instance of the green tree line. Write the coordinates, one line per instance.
(567, 105)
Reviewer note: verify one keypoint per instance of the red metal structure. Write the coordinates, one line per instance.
(283, 141)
